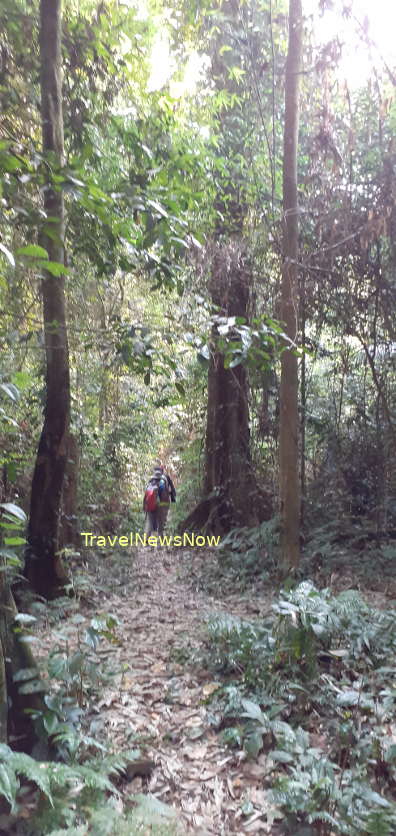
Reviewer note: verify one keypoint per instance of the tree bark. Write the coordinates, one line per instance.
(303, 403)
(289, 423)
(229, 478)
(43, 566)
(231, 494)
(68, 534)
(17, 709)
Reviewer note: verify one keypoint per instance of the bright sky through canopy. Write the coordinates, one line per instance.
(356, 62)
(378, 17)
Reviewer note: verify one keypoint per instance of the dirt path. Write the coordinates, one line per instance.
(161, 698)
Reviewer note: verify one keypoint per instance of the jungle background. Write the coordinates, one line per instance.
(153, 307)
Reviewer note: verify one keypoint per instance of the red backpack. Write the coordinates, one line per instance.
(151, 498)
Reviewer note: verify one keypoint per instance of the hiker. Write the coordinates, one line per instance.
(159, 493)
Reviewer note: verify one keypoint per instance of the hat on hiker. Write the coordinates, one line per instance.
(158, 471)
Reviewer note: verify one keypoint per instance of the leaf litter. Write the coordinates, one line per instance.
(157, 699)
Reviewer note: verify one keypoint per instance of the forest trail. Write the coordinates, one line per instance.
(160, 698)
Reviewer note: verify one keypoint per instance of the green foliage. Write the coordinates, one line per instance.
(254, 345)
(313, 687)
(350, 545)
(69, 795)
(69, 791)
(245, 556)
(12, 528)
(148, 178)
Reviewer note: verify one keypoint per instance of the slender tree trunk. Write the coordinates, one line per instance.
(289, 423)
(303, 403)
(43, 566)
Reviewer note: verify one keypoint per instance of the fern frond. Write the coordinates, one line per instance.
(34, 771)
(325, 817)
(9, 784)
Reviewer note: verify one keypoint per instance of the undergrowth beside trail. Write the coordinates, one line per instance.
(74, 781)
(343, 552)
(311, 692)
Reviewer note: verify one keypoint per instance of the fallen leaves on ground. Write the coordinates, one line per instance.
(157, 697)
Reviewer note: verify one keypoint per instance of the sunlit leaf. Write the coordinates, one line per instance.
(33, 251)
(9, 256)
(15, 510)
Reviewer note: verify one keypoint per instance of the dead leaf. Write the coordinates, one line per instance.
(230, 787)
(196, 752)
(195, 732)
(210, 687)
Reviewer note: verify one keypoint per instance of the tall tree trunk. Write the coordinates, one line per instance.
(229, 478)
(303, 402)
(289, 424)
(231, 494)
(43, 566)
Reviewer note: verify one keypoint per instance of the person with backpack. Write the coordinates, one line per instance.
(166, 495)
(159, 493)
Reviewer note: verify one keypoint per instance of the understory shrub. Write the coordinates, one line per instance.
(313, 687)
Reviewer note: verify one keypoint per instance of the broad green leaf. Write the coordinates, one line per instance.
(204, 355)
(157, 206)
(24, 674)
(253, 711)
(52, 233)
(34, 687)
(253, 744)
(10, 390)
(7, 254)
(33, 251)
(376, 798)
(22, 379)
(56, 268)
(11, 471)
(24, 618)
(281, 756)
(9, 162)
(51, 722)
(10, 558)
(350, 697)
(15, 510)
